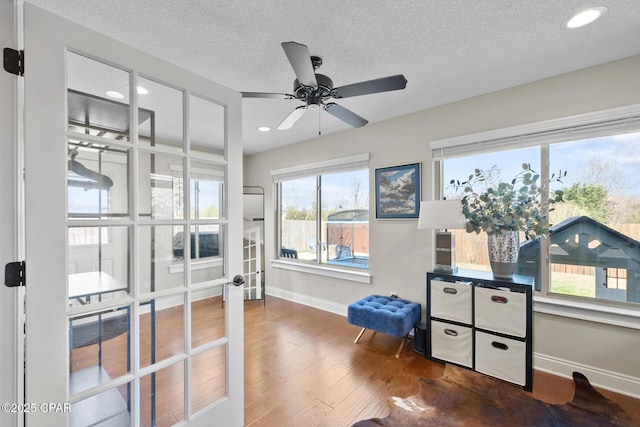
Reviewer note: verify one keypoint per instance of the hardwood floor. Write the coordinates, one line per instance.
(302, 368)
(207, 369)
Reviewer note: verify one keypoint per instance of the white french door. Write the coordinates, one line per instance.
(133, 235)
(252, 263)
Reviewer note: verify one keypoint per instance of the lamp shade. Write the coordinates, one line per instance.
(441, 214)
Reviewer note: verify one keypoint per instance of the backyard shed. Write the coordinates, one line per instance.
(583, 241)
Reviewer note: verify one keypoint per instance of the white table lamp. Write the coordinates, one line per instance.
(442, 215)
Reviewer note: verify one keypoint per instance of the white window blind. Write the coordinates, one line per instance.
(198, 173)
(343, 164)
(591, 125)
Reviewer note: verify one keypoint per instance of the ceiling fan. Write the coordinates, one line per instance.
(315, 89)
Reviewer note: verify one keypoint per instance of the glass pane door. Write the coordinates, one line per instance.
(139, 273)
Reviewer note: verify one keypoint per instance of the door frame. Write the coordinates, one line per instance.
(11, 218)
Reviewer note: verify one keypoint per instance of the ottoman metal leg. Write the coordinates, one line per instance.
(359, 335)
(404, 340)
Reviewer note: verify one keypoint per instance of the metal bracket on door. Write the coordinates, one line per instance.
(15, 274)
(13, 61)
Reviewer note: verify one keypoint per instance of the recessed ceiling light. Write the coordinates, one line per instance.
(140, 89)
(586, 16)
(114, 94)
(264, 128)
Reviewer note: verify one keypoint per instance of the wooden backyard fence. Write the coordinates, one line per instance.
(472, 248)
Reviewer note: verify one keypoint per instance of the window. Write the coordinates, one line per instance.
(595, 252)
(96, 189)
(204, 243)
(206, 190)
(471, 248)
(298, 217)
(594, 244)
(324, 213)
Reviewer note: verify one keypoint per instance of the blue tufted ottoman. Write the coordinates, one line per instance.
(389, 315)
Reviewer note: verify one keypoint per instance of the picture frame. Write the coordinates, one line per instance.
(398, 192)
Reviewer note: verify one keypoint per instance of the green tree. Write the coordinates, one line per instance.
(295, 213)
(211, 212)
(591, 197)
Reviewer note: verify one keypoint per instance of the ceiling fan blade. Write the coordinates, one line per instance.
(266, 95)
(292, 118)
(300, 60)
(347, 116)
(100, 181)
(383, 84)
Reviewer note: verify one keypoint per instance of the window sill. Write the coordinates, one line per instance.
(590, 311)
(197, 265)
(323, 270)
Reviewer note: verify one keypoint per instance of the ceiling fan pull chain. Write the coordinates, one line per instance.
(319, 121)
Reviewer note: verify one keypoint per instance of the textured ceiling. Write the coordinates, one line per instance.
(448, 50)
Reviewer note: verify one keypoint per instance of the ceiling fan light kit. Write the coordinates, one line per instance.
(315, 89)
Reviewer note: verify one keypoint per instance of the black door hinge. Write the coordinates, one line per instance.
(15, 274)
(14, 61)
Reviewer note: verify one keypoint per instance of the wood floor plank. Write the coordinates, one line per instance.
(302, 368)
(362, 380)
(310, 415)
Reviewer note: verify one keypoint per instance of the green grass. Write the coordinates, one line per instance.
(573, 284)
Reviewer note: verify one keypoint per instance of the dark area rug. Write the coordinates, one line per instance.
(465, 398)
(88, 333)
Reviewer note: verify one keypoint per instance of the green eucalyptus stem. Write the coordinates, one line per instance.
(519, 205)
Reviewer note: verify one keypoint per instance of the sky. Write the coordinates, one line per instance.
(618, 155)
(337, 190)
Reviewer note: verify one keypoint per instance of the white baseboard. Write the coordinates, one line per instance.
(322, 304)
(608, 380)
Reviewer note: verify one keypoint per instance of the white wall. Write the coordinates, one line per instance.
(400, 254)
(7, 216)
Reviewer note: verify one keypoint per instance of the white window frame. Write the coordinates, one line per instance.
(356, 162)
(198, 263)
(583, 126)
